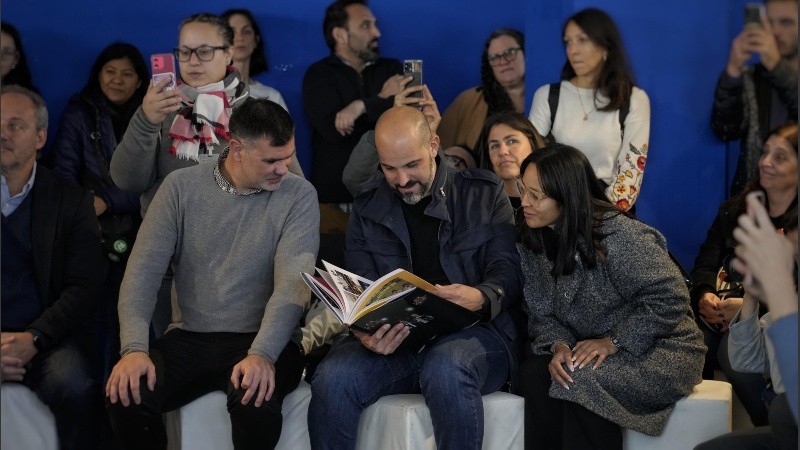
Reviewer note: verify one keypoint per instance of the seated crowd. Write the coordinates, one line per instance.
(155, 255)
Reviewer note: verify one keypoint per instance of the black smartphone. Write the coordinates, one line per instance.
(413, 68)
(753, 12)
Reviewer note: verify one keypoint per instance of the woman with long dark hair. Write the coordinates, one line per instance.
(717, 290)
(506, 140)
(502, 89)
(596, 107)
(249, 54)
(92, 125)
(612, 335)
(13, 63)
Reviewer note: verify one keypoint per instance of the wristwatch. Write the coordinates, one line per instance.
(615, 342)
(36, 341)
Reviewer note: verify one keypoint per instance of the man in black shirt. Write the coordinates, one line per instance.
(345, 93)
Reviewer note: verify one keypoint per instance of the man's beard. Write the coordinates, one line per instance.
(369, 54)
(412, 198)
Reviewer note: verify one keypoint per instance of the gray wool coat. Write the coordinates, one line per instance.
(638, 296)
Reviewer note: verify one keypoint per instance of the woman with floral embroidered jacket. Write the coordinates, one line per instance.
(597, 107)
(613, 338)
(188, 124)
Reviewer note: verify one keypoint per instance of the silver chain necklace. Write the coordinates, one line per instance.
(580, 98)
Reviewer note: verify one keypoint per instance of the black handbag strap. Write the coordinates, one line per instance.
(552, 101)
(96, 136)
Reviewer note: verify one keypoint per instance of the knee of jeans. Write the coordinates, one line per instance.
(269, 408)
(69, 386)
(448, 366)
(335, 374)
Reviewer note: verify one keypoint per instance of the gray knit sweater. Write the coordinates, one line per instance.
(237, 260)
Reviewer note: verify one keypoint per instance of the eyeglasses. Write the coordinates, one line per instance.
(533, 196)
(509, 55)
(204, 53)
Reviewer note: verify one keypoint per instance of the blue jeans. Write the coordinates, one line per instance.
(451, 374)
(62, 377)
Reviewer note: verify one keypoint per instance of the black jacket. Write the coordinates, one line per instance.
(477, 241)
(328, 86)
(731, 116)
(75, 151)
(67, 256)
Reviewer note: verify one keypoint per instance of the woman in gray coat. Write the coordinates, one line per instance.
(613, 339)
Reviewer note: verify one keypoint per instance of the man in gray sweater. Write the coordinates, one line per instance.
(239, 234)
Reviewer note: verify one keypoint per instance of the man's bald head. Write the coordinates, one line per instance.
(402, 122)
(406, 149)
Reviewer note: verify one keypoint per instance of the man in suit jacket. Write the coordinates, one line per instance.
(52, 274)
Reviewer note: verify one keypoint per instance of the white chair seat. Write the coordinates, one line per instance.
(403, 422)
(26, 422)
(703, 415)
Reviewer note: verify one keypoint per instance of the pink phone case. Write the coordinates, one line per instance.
(163, 66)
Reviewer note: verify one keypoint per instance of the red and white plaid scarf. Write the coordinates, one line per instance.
(204, 115)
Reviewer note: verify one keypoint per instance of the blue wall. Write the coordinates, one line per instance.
(677, 49)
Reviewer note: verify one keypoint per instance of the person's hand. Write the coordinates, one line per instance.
(738, 56)
(765, 255)
(157, 102)
(385, 340)
(256, 374)
(11, 368)
(760, 40)
(346, 118)
(126, 375)
(729, 307)
(709, 308)
(18, 345)
(426, 103)
(462, 295)
(562, 356)
(99, 205)
(392, 86)
(585, 351)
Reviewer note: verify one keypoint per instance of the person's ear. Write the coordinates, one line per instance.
(236, 149)
(339, 35)
(41, 138)
(435, 144)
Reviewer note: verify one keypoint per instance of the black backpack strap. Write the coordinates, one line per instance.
(552, 101)
(623, 114)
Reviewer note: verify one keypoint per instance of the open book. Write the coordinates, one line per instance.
(399, 296)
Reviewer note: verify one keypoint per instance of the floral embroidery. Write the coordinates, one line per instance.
(629, 177)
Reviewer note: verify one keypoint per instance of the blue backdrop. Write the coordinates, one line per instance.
(677, 48)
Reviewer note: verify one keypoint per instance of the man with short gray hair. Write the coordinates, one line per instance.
(239, 233)
(52, 275)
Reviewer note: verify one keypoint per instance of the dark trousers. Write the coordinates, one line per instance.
(62, 377)
(190, 365)
(752, 388)
(781, 434)
(556, 424)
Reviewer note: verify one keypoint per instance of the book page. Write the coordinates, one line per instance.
(392, 283)
(349, 285)
(323, 292)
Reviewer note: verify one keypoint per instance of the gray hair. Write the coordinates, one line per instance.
(38, 102)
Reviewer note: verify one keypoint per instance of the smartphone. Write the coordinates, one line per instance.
(163, 66)
(753, 12)
(413, 68)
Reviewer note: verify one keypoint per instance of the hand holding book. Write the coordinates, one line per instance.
(398, 299)
(385, 340)
(462, 295)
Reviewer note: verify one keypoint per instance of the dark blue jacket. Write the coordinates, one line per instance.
(476, 240)
(75, 149)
